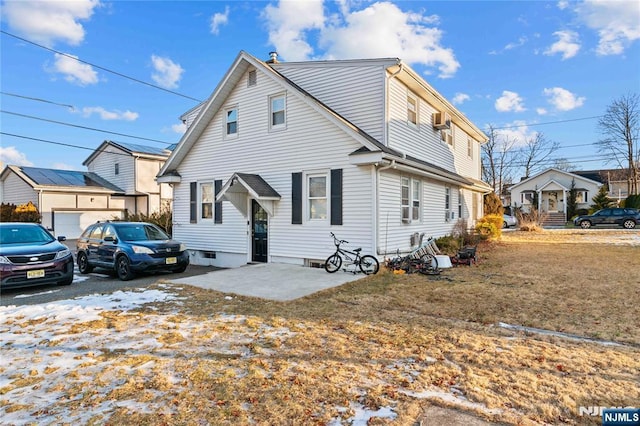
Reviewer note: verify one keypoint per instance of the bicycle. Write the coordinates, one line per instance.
(422, 260)
(367, 263)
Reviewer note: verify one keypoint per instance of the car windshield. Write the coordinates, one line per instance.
(140, 232)
(24, 234)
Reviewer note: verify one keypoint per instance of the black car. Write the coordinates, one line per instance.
(129, 248)
(30, 255)
(627, 218)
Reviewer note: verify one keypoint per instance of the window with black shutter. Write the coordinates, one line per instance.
(217, 213)
(336, 196)
(193, 202)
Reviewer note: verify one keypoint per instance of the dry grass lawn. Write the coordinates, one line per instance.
(394, 341)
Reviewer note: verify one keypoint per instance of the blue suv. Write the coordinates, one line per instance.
(129, 248)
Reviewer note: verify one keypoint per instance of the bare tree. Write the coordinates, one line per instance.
(536, 152)
(497, 155)
(563, 164)
(620, 126)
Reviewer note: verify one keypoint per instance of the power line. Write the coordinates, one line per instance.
(119, 74)
(57, 143)
(85, 127)
(515, 126)
(71, 107)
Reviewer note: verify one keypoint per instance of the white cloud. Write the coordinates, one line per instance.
(518, 131)
(110, 115)
(62, 166)
(460, 98)
(563, 4)
(541, 111)
(74, 71)
(617, 23)
(568, 44)
(348, 34)
(509, 101)
(46, 22)
(562, 99)
(10, 155)
(179, 128)
(168, 73)
(219, 19)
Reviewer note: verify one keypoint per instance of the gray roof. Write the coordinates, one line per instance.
(259, 185)
(55, 177)
(143, 149)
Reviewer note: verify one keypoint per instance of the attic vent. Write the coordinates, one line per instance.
(253, 78)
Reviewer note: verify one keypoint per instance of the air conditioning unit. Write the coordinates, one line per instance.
(449, 215)
(441, 120)
(449, 138)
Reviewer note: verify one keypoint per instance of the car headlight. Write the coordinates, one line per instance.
(4, 260)
(183, 247)
(142, 250)
(63, 253)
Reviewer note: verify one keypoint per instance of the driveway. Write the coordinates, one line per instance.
(272, 281)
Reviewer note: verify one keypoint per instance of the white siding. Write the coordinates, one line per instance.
(425, 142)
(354, 92)
(104, 165)
(309, 143)
(17, 191)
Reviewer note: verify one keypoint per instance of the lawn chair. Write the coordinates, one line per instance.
(465, 256)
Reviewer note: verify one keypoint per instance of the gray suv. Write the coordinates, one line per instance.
(627, 218)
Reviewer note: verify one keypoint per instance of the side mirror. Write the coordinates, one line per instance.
(111, 239)
(62, 238)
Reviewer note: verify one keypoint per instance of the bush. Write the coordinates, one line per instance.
(162, 218)
(632, 201)
(531, 221)
(21, 213)
(492, 204)
(490, 226)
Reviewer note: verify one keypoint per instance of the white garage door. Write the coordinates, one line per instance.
(72, 223)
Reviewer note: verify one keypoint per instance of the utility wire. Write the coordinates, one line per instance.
(119, 74)
(515, 126)
(71, 107)
(58, 143)
(85, 127)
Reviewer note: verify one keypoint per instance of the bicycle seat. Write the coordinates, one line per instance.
(358, 250)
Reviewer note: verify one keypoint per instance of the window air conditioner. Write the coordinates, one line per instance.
(441, 120)
(449, 138)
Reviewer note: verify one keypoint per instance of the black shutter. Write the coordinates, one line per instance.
(336, 196)
(217, 209)
(193, 202)
(296, 198)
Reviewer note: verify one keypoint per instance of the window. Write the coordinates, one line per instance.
(410, 199)
(415, 201)
(232, 122)
(108, 232)
(469, 148)
(581, 197)
(526, 197)
(96, 233)
(206, 200)
(460, 203)
(317, 192)
(412, 109)
(277, 111)
(117, 168)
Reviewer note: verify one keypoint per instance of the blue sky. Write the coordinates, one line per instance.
(508, 64)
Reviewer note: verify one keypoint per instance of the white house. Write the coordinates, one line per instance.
(552, 187)
(282, 154)
(120, 180)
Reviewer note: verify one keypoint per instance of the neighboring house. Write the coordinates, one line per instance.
(120, 181)
(552, 187)
(67, 200)
(282, 154)
(615, 179)
(133, 168)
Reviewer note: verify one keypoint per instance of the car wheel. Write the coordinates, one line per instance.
(629, 224)
(67, 281)
(585, 224)
(83, 263)
(123, 268)
(505, 224)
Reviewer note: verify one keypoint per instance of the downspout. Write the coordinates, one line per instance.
(376, 222)
(387, 102)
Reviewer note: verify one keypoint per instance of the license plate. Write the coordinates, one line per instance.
(171, 260)
(38, 273)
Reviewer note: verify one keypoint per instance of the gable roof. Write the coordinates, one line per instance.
(552, 169)
(40, 178)
(132, 149)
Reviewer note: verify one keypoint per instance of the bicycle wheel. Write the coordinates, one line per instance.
(369, 264)
(333, 263)
(429, 265)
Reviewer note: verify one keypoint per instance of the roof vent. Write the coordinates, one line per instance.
(273, 58)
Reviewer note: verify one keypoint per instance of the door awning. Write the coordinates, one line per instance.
(240, 186)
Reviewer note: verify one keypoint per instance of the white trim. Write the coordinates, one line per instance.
(282, 126)
(327, 196)
(226, 122)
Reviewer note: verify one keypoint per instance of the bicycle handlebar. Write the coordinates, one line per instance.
(336, 241)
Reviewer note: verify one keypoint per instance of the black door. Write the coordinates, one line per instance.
(258, 232)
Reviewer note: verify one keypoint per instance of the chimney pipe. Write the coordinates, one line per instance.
(273, 58)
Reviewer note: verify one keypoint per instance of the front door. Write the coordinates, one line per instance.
(258, 232)
(552, 202)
